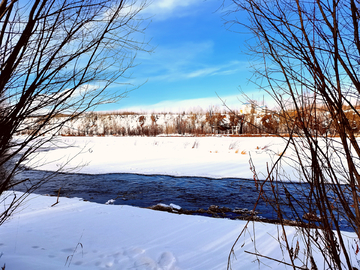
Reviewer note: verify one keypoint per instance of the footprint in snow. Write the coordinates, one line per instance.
(167, 261)
(134, 252)
(145, 263)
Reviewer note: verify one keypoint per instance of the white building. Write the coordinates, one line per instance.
(248, 107)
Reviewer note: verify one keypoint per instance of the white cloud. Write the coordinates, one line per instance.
(223, 69)
(202, 72)
(187, 104)
(186, 61)
(175, 63)
(172, 4)
(163, 9)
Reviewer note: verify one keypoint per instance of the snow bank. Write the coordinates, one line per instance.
(83, 235)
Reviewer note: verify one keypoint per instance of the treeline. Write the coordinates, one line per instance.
(133, 124)
(200, 123)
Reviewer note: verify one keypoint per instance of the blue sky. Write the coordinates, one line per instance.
(194, 58)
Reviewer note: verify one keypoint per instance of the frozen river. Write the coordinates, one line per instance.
(191, 193)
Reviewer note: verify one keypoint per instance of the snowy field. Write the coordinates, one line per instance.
(82, 235)
(215, 157)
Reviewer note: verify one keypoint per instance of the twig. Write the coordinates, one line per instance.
(57, 201)
(266, 257)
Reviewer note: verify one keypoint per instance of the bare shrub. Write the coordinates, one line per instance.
(310, 52)
(55, 59)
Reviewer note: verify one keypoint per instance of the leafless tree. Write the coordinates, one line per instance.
(58, 58)
(307, 56)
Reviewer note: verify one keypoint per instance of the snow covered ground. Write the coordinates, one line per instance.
(83, 235)
(215, 157)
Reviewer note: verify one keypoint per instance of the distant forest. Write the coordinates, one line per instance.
(251, 121)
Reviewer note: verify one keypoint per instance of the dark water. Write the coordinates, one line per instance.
(190, 193)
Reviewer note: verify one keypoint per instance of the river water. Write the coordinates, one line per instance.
(191, 193)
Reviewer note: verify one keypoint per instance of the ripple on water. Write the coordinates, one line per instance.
(190, 193)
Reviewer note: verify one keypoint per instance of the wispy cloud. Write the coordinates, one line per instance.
(163, 9)
(172, 4)
(185, 61)
(172, 63)
(202, 72)
(216, 70)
